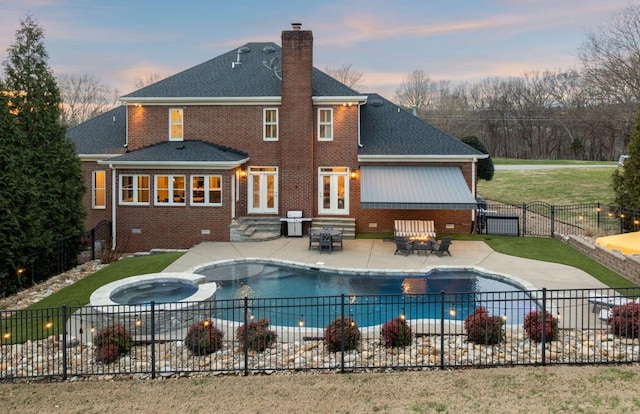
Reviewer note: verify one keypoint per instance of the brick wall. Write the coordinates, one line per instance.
(626, 266)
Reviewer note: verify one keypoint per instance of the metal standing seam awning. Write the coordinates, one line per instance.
(415, 188)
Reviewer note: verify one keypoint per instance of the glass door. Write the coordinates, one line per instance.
(263, 190)
(333, 185)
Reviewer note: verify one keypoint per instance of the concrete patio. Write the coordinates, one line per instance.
(378, 254)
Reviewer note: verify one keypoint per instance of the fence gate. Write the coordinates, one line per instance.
(538, 219)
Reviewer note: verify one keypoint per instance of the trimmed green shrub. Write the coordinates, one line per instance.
(111, 342)
(333, 335)
(624, 320)
(533, 326)
(395, 333)
(484, 329)
(258, 335)
(203, 338)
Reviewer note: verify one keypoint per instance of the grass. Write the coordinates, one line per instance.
(562, 186)
(45, 317)
(514, 161)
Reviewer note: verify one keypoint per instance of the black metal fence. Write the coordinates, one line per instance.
(69, 341)
(538, 218)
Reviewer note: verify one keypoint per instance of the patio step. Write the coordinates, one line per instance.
(255, 229)
(346, 224)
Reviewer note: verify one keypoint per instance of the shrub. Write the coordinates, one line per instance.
(395, 333)
(533, 326)
(625, 320)
(258, 335)
(107, 354)
(484, 329)
(113, 339)
(333, 335)
(203, 338)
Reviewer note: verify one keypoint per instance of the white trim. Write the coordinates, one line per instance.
(329, 124)
(170, 189)
(265, 124)
(172, 124)
(134, 189)
(242, 100)
(114, 197)
(94, 189)
(260, 173)
(96, 157)
(339, 100)
(205, 202)
(189, 165)
(420, 158)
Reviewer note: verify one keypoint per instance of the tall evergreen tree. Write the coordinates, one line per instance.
(626, 181)
(486, 168)
(43, 172)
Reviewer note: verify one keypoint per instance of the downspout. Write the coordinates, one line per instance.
(113, 206)
(359, 110)
(474, 166)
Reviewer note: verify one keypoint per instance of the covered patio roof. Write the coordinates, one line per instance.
(415, 188)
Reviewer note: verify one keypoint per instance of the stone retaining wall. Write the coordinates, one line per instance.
(626, 266)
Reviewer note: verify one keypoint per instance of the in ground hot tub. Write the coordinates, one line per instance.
(173, 300)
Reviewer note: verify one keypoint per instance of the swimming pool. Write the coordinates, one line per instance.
(289, 295)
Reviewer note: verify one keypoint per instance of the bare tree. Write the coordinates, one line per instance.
(84, 97)
(417, 91)
(611, 57)
(347, 75)
(147, 79)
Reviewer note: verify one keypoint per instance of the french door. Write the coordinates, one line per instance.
(263, 190)
(333, 185)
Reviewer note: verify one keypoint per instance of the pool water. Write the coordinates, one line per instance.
(314, 297)
(154, 291)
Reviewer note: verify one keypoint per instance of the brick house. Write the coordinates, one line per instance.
(227, 147)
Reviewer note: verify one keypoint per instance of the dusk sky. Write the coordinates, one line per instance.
(119, 41)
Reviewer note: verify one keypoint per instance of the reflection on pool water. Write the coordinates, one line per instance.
(162, 291)
(314, 295)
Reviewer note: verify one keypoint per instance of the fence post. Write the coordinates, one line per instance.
(553, 220)
(442, 329)
(246, 336)
(524, 219)
(598, 217)
(153, 340)
(342, 333)
(544, 325)
(64, 342)
(93, 243)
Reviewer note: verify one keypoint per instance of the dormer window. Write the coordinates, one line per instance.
(325, 124)
(176, 124)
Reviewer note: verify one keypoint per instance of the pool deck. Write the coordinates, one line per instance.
(379, 255)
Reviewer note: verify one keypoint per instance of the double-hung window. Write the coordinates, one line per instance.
(206, 190)
(134, 189)
(176, 118)
(170, 189)
(270, 124)
(99, 189)
(325, 124)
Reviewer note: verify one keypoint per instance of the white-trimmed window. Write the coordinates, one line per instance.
(170, 189)
(99, 189)
(325, 124)
(206, 190)
(134, 189)
(176, 116)
(270, 124)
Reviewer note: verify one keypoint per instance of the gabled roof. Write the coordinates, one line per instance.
(104, 134)
(388, 130)
(192, 153)
(258, 75)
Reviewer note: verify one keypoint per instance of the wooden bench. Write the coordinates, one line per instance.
(415, 228)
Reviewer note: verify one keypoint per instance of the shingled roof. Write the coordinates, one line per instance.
(257, 75)
(387, 129)
(104, 134)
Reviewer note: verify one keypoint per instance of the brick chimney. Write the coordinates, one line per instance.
(297, 178)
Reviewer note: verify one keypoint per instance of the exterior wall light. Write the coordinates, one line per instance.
(354, 173)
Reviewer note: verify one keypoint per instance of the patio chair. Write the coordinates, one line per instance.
(325, 242)
(443, 247)
(336, 240)
(403, 246)
(314, 239)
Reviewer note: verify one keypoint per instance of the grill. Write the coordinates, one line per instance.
(294, 222)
